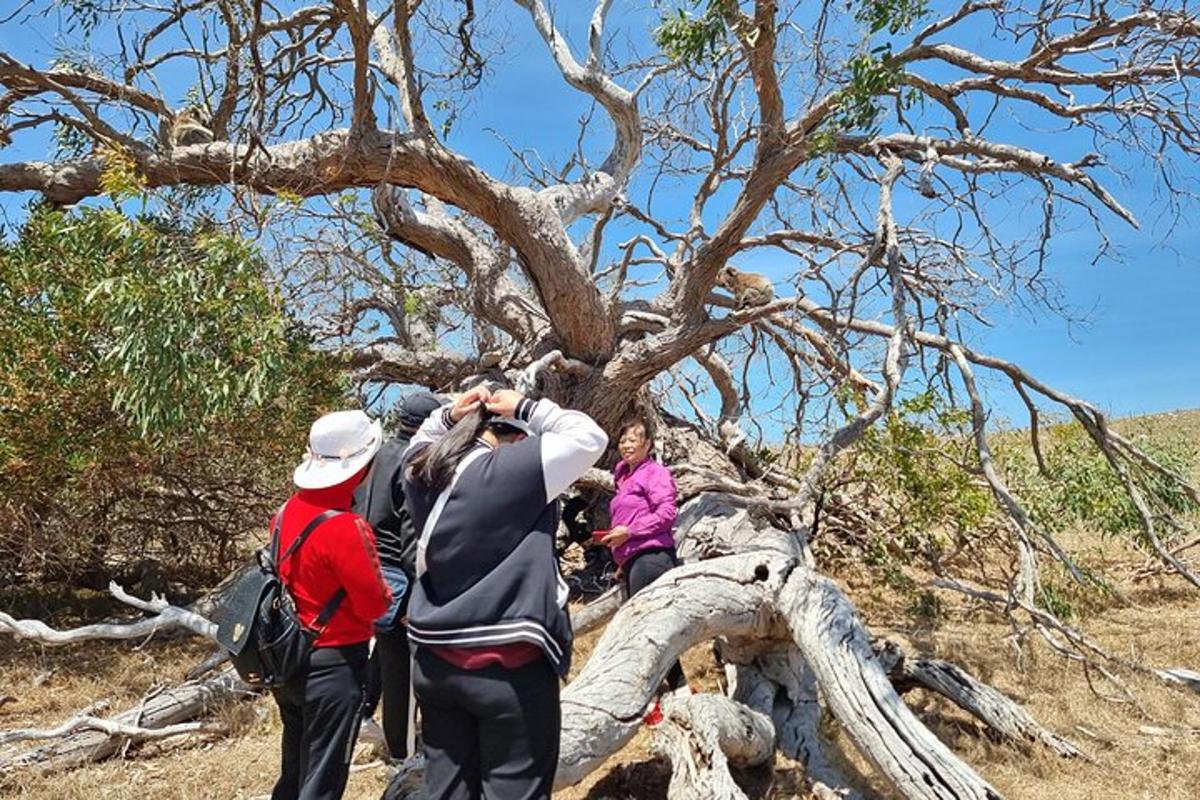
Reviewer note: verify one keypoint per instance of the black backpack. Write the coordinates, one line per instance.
(257, 622)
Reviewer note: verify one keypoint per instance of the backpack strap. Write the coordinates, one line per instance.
(331, 607)
(273, 547)
(304, 534)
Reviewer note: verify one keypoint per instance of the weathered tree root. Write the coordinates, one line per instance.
(1180, 677)
(594, 614)
(166, 617)
(779, 681)
(702, 736)
(166, 709)
(83, 722)
(857, 691)
(765, 594)
(1003, 717)
(794, 648)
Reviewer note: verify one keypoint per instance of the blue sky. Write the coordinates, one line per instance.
(1137, 348)
(1137, 352)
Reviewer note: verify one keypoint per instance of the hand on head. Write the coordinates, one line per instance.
(503, 403)
(469, 400)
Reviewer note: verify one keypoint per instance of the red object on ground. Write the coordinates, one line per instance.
(654, 716)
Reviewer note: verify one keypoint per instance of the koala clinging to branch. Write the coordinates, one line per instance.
(748, 288)
(190, 126)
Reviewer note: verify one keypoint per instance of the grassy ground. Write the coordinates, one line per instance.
(1148, 750)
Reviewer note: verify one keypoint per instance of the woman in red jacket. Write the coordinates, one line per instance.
(339, 591)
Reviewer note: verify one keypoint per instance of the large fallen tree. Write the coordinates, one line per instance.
(848, 151)
(786, 635)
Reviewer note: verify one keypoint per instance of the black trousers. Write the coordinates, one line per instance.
(389, 679)
(321, 713)
(641, 571)
(489, 733)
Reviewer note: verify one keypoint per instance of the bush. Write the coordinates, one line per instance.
(911, 493)
(1083, 490)
(155, 395)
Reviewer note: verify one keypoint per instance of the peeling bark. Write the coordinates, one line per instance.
(167, 709)
(1005, 718)
(702, 736)
(857, 691)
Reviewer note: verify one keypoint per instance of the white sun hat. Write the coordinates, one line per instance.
(339, 445)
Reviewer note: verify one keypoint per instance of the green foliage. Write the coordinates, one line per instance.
(924, 608)
(444, 106)
(120, 178)
(871, 75)
(82, 14)
(413, 305)
(687, 38)
(69, 141)
(196, 338)
(913, 488)
(896, 16)
(1082, 489)
(913, 460)
(909, 482)
(146, 369)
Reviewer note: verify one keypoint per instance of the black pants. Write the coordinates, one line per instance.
(389, 678)
(321, 713)
(641, 571)
(489, 733)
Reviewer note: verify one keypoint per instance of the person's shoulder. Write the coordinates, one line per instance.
(391, 451)
(656, 467)
(347, 524)
(394, 444)
(656, 470)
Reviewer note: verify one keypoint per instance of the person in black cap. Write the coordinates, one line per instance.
(380, 500)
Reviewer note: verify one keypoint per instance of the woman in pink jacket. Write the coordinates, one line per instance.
(643, 515)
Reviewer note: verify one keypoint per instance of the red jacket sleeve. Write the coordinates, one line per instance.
(354, 560)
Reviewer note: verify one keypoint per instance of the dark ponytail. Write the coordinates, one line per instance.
(434, 466)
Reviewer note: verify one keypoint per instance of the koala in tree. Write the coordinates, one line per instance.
(748, 288)
(190, 126)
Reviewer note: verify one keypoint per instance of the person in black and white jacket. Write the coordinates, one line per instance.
(488, 612)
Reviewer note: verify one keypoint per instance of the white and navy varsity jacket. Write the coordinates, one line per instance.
(487, 573)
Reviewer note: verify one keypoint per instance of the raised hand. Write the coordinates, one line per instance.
(504, 402)
(469, 401)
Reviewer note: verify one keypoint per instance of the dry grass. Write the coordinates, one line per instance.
(1160, 630)
(53, 684)
(1159, 626)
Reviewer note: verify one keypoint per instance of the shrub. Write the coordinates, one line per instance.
(154, 394)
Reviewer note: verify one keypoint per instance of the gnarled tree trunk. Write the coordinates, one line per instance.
(792, 646)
